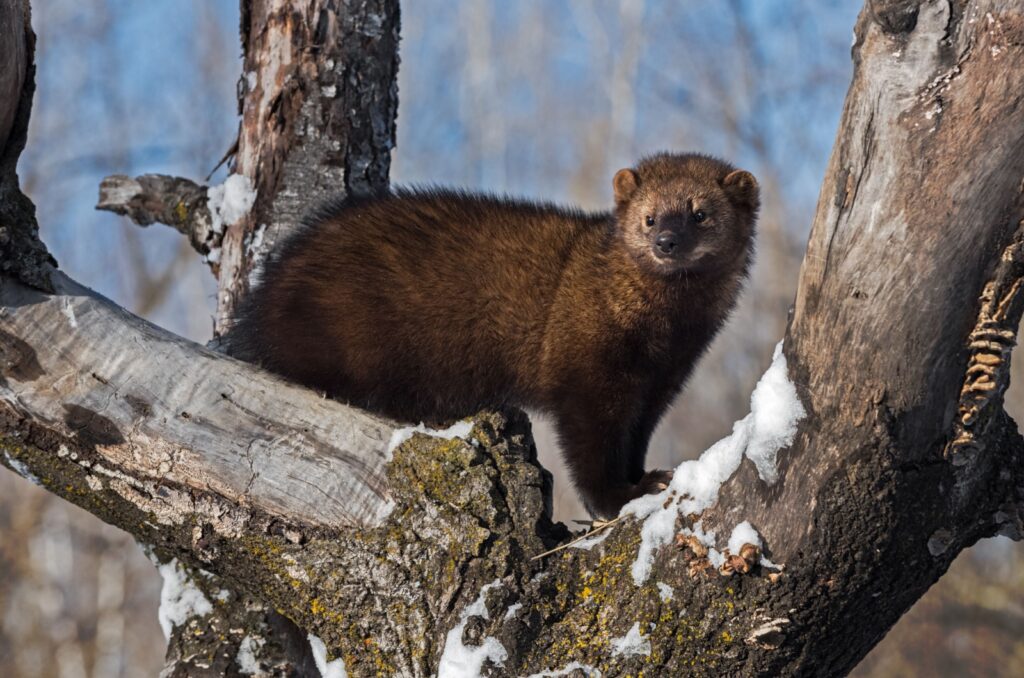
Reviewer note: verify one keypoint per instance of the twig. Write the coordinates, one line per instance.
(599, 525)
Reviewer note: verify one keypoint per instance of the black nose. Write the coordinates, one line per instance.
(667, 243)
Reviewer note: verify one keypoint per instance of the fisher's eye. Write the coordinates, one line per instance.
(649, 220)
(699, 216)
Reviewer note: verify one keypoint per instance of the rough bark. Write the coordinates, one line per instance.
(14, 57)
(22, 254)
(318, 97)
(899, 343)
(908, 305)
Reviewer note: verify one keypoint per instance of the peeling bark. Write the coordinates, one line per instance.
(318, 97)
(899, 343)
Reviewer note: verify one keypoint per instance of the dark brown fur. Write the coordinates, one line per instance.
(432, 305)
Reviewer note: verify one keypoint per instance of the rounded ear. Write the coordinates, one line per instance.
(742, 188)
(625, 183)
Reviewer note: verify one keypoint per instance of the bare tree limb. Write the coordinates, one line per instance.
(177, 202)
(86, 366)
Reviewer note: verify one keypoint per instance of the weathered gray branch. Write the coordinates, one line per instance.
(908, 295)
(911, 260)
(177, 202)
(144, 403)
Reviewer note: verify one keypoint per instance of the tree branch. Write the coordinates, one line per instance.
(318, 101)
(177, 202)
(197, 430)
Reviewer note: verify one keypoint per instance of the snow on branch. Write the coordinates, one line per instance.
(199, 212)
(775, 411)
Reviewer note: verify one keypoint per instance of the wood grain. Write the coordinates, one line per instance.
(158, 408)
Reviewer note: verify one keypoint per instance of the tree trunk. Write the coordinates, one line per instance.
(408, 558)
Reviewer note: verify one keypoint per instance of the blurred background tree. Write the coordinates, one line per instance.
(542, 99)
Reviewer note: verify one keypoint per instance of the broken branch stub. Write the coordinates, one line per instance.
(174, 201)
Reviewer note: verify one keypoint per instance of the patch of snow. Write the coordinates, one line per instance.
(744, 533)
(458, 430)
(591, 542)
(230, 201)
(589, 671)
(69, 312)
(330, 91)
(213, 256)
(222, 595)
(250, 80)
(631, 644)
(246, 657)
(665, 591)
(459, 661)
(332, 669)
(775, 411)
(19, 467)
(257, 238)
(179, 598)
(511, 612)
